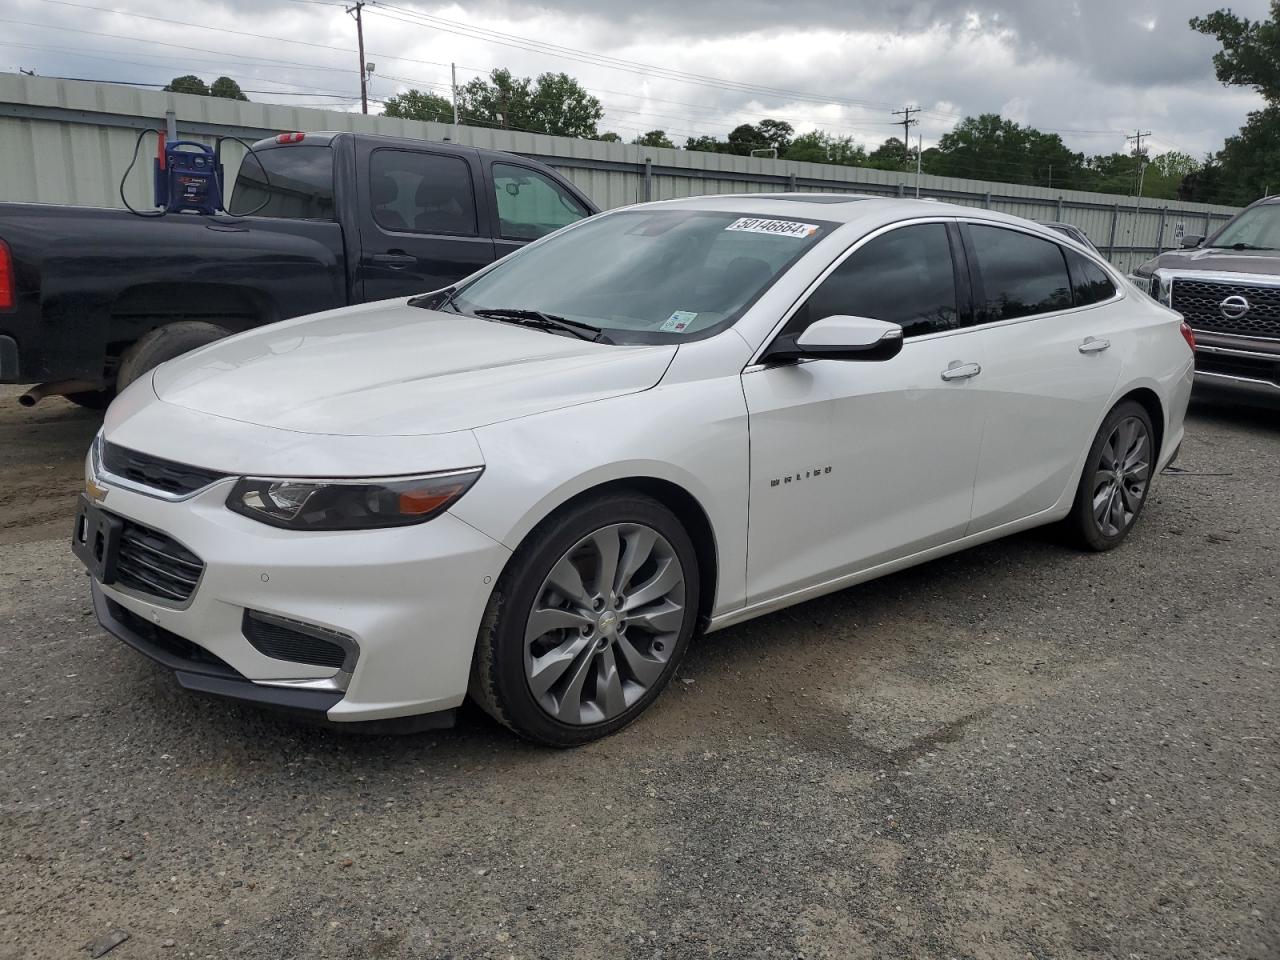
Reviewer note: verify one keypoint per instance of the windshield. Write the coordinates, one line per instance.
(646, 276)
(297, 185)
(1256, 229)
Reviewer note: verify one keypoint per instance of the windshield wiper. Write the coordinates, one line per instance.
(1240, 246)
(544, 321)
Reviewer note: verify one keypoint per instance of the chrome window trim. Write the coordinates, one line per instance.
(754, 363)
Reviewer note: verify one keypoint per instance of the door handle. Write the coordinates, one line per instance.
(1093, 345)
(961, 371)
(395, 261)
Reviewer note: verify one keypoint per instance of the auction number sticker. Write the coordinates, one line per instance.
(777, 228)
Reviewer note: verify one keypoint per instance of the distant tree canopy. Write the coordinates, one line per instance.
(416, 105)
(223, 87)
(654, 138)
(552, 103)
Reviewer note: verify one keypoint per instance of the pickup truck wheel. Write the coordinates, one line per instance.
(165, 343)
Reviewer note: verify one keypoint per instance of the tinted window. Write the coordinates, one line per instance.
(904, 276)
(421, 193)
(294, 182)
(1021, 274)
(530, 204)
(1089, 281)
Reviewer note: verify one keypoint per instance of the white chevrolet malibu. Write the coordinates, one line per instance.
(536, 486)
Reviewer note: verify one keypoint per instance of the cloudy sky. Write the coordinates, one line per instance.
(1089, 69)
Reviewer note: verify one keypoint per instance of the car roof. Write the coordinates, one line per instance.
(845, 208)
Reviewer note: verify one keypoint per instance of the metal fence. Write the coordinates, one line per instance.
(64, 141)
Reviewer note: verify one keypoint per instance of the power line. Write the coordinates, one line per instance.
(907, 123)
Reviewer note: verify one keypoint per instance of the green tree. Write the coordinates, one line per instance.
(417, 105)
(707, 144)
(776, 134)
(1248, 165)
(609, 137)
(820, 147)
(187, 84)
(890, 155)
(224, 87)
(654, 138)
(227, 89)
(555, 103)
(989, 147)
(1250, 54)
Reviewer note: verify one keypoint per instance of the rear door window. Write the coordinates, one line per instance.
(1021, 275)
(412, 192)
(1089, 282)
(531, 204)
(904, 276)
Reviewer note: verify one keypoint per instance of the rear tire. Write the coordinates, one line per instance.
(165, 343)
(1116, 479)
(589, 621)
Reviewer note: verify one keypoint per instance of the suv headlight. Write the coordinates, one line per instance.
(322, 504)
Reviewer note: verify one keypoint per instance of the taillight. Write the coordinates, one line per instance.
(291, 138)
(1188, 334)
(6, 278)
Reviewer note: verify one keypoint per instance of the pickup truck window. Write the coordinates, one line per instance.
(531, 205)
(301, 184)
(412, 192)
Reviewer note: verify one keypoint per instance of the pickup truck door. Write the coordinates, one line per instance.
(528, 204)
(423, 224)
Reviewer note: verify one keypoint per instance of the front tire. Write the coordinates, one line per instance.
(589, 622)
(1116, 479)
(165, 343)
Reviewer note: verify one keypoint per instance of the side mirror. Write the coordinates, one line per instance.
(1191, 241)
(839, 338)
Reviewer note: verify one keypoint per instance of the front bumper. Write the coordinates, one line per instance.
(1241, 364)
(411, 599)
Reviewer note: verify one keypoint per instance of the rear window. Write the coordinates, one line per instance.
(292, 183)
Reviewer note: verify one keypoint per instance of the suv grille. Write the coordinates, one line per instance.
(1198, 301)
(284, 639)
(152, 563)
(159, 474)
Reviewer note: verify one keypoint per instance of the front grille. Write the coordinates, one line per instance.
(1199, 303)
(284, 639)
(169, 642)
(167, 476)
(152, 563)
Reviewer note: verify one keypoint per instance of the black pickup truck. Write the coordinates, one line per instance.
(91, 298)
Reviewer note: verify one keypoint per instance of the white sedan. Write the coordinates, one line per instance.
(534, 487)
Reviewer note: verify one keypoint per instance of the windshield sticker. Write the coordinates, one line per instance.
(678, 322)
(778, 228)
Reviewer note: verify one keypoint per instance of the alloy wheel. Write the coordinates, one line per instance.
(1121, 479)
(604, 624)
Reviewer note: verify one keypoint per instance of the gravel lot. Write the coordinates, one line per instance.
(1017, 752)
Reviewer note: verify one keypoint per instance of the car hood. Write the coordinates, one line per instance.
(389, 369)
(1217, 260)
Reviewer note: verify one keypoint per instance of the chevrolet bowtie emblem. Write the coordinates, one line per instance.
(96, 493)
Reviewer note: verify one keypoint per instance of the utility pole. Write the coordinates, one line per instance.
(364, 83)
(1141, 157)
(907, 123)
(453, 73)
(919, 162)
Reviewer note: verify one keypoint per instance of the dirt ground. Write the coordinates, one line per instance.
(1018, 752)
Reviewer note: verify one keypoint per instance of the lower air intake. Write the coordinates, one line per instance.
(283, 639)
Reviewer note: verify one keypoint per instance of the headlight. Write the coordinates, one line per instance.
(350, 504)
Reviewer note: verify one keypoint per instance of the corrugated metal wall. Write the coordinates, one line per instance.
(64, 141)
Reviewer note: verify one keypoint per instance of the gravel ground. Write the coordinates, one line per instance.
(1017, 752)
